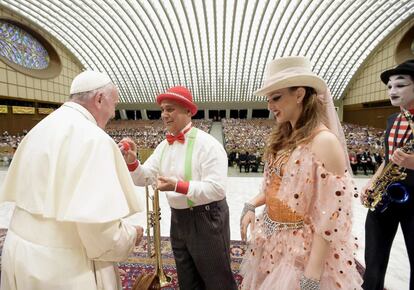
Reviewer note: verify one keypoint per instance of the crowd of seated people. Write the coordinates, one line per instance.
(8, 145)
(244, 142)
(250, 162)
(365, 147)
(145, 133)
(13, 141)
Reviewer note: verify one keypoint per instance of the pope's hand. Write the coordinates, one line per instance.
(140, 232)
(128, 149)
(166, 183)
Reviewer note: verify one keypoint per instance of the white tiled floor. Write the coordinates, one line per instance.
(240, 189)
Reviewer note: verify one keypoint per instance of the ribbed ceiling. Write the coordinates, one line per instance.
(218, 49)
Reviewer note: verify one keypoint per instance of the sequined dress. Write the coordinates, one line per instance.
(302, 197)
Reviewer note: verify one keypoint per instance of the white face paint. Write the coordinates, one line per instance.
(401, 91)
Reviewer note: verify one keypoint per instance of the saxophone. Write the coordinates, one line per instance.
(158, 279)
(386, 188)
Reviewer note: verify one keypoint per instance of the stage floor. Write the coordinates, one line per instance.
(241, 189)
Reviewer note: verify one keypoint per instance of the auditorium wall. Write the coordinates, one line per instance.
(365, 101)
(42, 92)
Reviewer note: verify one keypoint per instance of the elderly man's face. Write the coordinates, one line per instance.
(401, 91)
(109, 100)
(174, 116)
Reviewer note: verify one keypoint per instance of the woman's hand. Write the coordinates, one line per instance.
(247, 219)
(316, 263)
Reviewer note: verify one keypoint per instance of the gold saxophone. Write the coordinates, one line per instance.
(386, 187)
(158, 279)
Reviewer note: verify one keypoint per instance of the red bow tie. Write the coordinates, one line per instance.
(179, 138)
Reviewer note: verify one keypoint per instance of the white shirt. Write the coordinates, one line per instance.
(209, 169)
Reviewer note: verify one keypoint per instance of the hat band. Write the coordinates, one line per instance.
(178, 95)
(292, 71)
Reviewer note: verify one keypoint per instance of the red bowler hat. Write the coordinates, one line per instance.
(181, 95)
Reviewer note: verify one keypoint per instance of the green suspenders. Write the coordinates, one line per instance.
(188, 159)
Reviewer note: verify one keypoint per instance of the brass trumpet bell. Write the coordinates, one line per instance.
(159, 279)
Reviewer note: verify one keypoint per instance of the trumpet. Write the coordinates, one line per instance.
(158, 279)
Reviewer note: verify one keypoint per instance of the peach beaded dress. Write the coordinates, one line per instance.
(302, 198)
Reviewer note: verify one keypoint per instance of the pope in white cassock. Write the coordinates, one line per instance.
(72, 190)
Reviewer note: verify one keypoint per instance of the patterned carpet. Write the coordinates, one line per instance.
(139, 263)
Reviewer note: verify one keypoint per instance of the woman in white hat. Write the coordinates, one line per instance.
(303, 238)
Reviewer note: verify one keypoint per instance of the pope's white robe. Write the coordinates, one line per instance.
(72, 188)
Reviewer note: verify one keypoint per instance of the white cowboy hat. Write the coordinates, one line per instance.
(290, 71)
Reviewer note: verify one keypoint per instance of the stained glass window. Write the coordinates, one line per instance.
(19, 47)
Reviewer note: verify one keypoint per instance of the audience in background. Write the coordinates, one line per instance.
(146, 134)
(242, 136)
(364, 147)
(11, 140)
(245, 135)
(8, 145)
(244, 141)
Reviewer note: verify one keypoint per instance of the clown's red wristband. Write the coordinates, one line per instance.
(132, 166)
(182, 187)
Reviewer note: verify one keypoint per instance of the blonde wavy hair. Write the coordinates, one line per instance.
(284, 137)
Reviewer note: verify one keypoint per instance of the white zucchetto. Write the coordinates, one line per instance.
(89, 80)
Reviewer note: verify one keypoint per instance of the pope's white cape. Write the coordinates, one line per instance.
(69, 169)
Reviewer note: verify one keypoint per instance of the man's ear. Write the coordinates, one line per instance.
(97, 98)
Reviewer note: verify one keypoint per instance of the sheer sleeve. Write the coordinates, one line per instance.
(321, 197)
(330, 210)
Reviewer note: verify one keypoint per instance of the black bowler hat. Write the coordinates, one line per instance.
(406, 68)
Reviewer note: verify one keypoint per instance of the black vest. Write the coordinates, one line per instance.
(409, 180)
